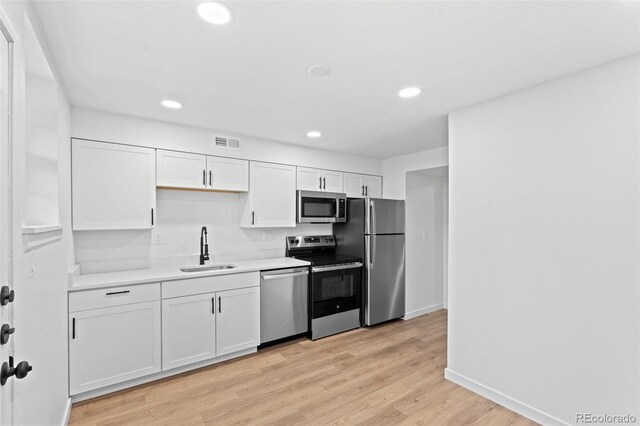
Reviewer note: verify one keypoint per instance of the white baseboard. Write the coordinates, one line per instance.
(502, 399)
(67, 413)
(422, 311)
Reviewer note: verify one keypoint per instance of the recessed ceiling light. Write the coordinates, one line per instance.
(171, 104)
(214, 13)
(409, 92)
(314, 134)
(319, 70)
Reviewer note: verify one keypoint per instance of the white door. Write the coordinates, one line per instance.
(332, 181)
(309, 179)
(6, 275)
(113, 186)
(181, 170)
(272, 195)
(373, 186)
(112, 345)
(188, 330)
(354, 185)
(227, 174)
(238, 324)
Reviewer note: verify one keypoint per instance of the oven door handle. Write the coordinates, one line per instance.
(336, 267)
(278, 276)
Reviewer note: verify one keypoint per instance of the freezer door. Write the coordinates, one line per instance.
(384, 216)
(384, 278)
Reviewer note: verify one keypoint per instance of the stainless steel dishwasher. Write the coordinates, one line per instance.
(283, 303)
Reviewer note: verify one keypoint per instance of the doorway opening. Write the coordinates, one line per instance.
(427, 235)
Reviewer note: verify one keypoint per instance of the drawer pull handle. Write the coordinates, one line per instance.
(118, 292)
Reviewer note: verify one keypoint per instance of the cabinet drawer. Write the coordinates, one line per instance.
(106, 297)
(192, 286)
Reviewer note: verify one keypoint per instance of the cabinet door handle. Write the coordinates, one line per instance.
(210, 175)
(320, 182)
(324, 183)
(362, 190)
(204, 178)
(213, 305)
(111, 293)
(219, 304)
(152, 216)
(253, 218)
(366, 190)
(73, 328)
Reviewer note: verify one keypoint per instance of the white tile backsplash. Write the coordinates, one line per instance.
(180, 216)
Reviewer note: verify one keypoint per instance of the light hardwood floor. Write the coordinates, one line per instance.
(384, 375)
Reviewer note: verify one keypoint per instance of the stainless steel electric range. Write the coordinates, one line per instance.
(335, 294)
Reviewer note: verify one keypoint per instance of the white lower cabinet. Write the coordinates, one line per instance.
(188, 330)
(125, 333)
(203, 326)
(238, 323)
(114, 344)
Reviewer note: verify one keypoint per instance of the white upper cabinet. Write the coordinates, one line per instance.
(271, 202)
(197, 171)
(373, 186)
(113, 186)
(332, 181)
(360, 186)
(309, 179)
(181, 170)
(227, 174)
(354, 185)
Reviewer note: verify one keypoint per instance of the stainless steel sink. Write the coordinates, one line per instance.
(204, 268)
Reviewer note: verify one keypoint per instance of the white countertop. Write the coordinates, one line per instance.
(170, 273)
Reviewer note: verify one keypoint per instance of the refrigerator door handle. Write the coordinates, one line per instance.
(371, 251)
(372, 223)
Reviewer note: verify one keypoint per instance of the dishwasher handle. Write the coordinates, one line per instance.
(279, 276)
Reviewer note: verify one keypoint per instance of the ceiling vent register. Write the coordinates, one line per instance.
(226, 142)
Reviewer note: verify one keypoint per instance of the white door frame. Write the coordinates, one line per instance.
(6, 208)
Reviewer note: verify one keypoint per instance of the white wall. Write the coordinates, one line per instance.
(41, 98)
(41, 298)
(394, 169)
(544, 246)
(181, 214)
(425, 234)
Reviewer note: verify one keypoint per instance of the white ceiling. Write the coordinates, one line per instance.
(249, 77)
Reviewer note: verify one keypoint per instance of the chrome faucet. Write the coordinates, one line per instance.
(204, 246)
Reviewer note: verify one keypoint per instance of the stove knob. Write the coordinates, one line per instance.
(296, 242)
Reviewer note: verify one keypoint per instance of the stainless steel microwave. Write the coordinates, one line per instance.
(321, 207)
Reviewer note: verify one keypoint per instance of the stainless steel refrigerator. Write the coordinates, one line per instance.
(374, 231)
